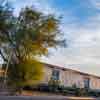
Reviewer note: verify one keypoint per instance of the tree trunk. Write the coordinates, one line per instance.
(6, 70)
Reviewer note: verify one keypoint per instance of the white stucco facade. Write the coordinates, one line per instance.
(70, 77)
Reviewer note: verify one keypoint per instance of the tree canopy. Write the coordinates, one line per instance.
(27, 73)
(25, 37)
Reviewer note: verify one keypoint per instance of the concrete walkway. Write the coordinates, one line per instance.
(43, 98)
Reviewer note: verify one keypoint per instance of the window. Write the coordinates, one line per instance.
(86, 83)
(55, 74)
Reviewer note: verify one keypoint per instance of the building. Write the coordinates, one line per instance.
(69, 77)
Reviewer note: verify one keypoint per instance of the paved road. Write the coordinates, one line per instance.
(41, 98)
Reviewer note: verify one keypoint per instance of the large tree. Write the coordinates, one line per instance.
(26, 37)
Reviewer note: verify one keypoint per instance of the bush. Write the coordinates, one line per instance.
(73, 91)
(27, 88)
(54, 85)
(94, 93)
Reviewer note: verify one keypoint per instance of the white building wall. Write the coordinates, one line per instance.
(64, 78)
(74, 79)
(69, 78)
(47, 74)
(95, 83)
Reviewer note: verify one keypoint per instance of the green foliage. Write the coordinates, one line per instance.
(53, 82)
(26, 37)
(74, 86)
(53, 85)
(27, 73)
(31, 33)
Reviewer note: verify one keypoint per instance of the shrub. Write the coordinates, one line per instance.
(56, 88)
(53, 85)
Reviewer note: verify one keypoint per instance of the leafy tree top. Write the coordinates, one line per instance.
(29, 34)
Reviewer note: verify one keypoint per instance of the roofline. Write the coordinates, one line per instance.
(66, 69)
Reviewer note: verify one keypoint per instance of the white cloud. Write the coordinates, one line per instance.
(83, 51)
(83, 48)
(95, 3)
(41, 5)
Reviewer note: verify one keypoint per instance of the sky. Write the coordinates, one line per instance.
(80, 24)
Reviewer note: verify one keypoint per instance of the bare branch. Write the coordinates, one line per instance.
(3, 57)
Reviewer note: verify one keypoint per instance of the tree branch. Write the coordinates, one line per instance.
(3, 57)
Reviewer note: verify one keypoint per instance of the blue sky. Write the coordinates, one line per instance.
(81, 26)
